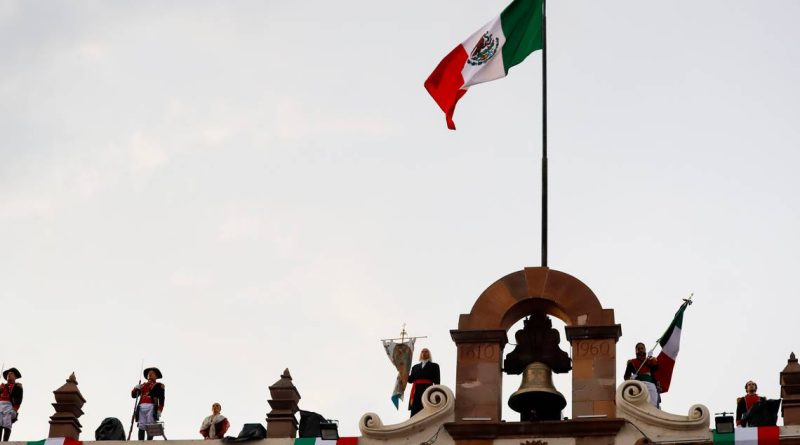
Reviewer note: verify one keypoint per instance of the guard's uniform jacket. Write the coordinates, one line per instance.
(744, 404)
(646, 372)
(152, 393)
(11, 392)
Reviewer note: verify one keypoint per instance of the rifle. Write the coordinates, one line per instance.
(136, 404)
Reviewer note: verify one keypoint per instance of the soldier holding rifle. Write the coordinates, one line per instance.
(10, 400)
(151, 403)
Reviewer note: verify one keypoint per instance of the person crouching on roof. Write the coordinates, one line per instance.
(10, 401)
(152, 402)
(215, 425)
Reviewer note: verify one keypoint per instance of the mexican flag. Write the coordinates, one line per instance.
(670, 344)
(763, 435)
(56, 441)
(487, 54)
(321, 441)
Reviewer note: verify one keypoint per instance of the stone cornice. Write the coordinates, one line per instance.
(438, 404)
(633, 404)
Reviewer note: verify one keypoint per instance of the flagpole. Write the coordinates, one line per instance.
(544, 133)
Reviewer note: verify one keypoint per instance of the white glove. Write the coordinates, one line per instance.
(139, 386)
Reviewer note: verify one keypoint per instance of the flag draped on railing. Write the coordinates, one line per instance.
(763, 435)
(55, 441)
(670, 344)
(321, 441)
(400, 354)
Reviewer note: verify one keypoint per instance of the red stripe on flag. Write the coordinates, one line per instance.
(769, 435)
(445, 82)
(663, 374)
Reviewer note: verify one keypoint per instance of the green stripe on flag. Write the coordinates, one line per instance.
(723, 438)
(676, 322)
(321, 441)
(522, 25)
(37, 442)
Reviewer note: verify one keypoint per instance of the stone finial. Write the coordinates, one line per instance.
(69, 401)
(790, 391)
(281, 420)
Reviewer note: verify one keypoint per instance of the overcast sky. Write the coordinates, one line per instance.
(227, 189)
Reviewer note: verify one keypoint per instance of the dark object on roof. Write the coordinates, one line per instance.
(763, 413)
(110, 429)
(250, 431)
(309, 423)
(537, 341)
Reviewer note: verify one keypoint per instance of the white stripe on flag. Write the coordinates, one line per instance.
(673, 344)
(492, 69)
(746, 436)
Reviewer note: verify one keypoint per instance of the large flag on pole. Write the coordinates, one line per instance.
(487, 54)
(670, 344)
(400, 354)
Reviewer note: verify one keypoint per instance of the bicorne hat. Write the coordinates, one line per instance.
(147, 371)
(14, 370)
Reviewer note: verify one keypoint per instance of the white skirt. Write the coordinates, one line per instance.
(6, 415)
(146, 414)
(653, 391)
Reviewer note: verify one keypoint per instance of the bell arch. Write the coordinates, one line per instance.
(482, 334)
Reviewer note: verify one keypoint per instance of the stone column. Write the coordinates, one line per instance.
(69, 401)
(479, 376)
(594, 369)
(790, 391)
(281, 421)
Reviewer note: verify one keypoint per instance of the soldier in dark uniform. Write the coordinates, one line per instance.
(10, 401)
(423, 375)
(152, 402)
(746, 403)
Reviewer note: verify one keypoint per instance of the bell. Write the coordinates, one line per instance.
(537, 398)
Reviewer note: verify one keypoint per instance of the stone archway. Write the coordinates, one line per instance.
(482, 334)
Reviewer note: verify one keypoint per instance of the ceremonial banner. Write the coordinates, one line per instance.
(670, 344)
(321, 441)
(400, 354)
(487, 54)
(763, 435)
(56, 441)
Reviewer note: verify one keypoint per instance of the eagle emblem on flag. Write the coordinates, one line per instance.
(484, 50)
